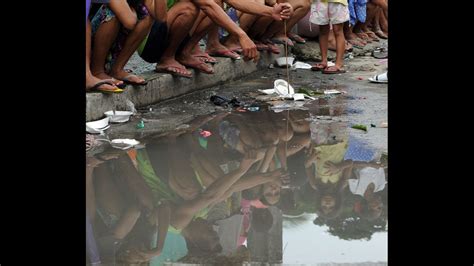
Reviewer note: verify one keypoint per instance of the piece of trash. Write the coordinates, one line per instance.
(283, 88)
(299, 96)
(360, 127)
(328, 92)
(220, 101)
(360, 78)
(203, 142)
(224, 102)
(99, 126)
(268, 91)
(372, 125)
(284, 61)
(151, 109)
(271, 66)
(123, 144)
(300, 65)
(141, 124)
(253, 108)
(384, 124)
(118, 116)
(241, 109)
(324, 117)
(205, 133)
(330, 64)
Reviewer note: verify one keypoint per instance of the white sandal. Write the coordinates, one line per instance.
(382, 78)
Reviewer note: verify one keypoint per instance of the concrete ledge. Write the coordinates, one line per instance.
(164, 86)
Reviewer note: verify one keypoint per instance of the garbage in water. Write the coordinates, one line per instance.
(271, 66)
(119, 116)
(296, 105)
(97, 127)
(372, 125)
(284, 61)
(329, 92)
(252, 108)
(224, 102)
(141, 124)
(286, 91)
(384, 124)
(309, 92)
(124, 144)
(205, 133)
(360, 127)
(300, 65)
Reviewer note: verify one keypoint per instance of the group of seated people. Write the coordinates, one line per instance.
(167, 33)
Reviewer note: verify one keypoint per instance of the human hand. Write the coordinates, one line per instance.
(249, 49)
(282, 11)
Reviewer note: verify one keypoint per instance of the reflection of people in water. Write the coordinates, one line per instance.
(117, 194)
(330, 145)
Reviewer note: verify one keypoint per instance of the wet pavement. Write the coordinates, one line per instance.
(260, 183)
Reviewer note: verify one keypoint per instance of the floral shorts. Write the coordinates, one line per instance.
(105, 14)
(329, 13)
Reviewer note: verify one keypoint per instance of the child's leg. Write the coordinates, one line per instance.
(105, 35)
(323, 43)
(90, 79)
(340, 44)
(134, 38)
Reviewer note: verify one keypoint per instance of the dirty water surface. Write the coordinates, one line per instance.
(263, 181)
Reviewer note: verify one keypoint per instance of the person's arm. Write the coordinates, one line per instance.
(218, 16)
(277, 12)
(184, 213)
(253, 180)
(124, 13)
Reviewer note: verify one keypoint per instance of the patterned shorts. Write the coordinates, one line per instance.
(328, 13)
(105, 14)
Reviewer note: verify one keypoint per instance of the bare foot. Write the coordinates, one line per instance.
(233, 44)
(203, 56)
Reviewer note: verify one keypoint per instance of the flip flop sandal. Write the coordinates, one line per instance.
(273, 48)
(261, 47)
(98, 84)
(206, 69)
(127, 80)
(318, 67)
(382, 78)
(206, 58)
(337, 70)
(225, 53)
(172, 71)
(297, 39)
(280, 41)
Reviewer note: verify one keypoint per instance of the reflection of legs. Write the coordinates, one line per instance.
(180, 20)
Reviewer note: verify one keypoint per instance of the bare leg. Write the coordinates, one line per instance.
(90, 79)
(131, 44)
(340, 44)
(181, 18)
(103, 39)
(323, 43)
